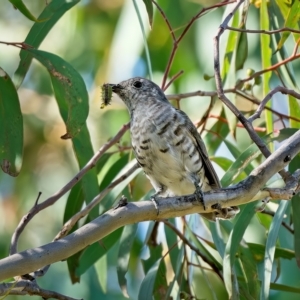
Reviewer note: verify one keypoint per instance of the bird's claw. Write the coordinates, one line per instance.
(199, 196)
(226, 212)
(153, 199)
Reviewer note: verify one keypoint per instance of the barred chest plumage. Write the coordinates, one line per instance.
(166, 149)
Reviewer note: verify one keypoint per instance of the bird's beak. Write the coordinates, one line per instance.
(116, 88)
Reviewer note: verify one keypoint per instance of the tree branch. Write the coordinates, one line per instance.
(246, 191)
(26, 287)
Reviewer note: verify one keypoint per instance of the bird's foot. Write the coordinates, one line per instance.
(122, 202)
(199, 195)
(225, 213)
(154, 200)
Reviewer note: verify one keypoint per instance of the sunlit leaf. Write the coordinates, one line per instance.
(230, 47)
(51, 14)
(266, 55)
(291, 21)
(69, 89)
(149, 8)
(11, 128)
(294, 111)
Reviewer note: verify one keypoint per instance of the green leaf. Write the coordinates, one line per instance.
(296, 220)
(74, 202)
(179, 270)
(213, 141)
(242, 163)
(149, 8)
(69, 89)
(249, 268)
(23, 9)
(266, 54)
(84, 151)
(154, 283)
(270, 249)
(223, 162)
(258, 252)
(97, 250)
(285, 288)
(172, 241)
(291, 21)
(294, 111)
(51, 14)
(233, 243)
(216, 234)
(11, 129)
(126, 243)
(207, 251)
(242, 50)
(230, 47)
(110, 198)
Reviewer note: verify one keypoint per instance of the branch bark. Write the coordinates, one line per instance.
(246, 191)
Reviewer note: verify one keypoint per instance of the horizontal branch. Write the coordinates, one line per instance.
(247, 190)
(26, 287)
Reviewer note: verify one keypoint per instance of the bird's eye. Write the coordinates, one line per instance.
(137, 84)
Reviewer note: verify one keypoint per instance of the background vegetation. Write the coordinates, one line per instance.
(103, 41)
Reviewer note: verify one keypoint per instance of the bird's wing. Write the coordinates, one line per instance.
(210, 172)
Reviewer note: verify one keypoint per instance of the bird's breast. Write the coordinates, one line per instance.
(166, 150)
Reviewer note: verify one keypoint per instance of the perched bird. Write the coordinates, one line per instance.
(167, 145)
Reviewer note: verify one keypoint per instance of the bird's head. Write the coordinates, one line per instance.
(137, 91)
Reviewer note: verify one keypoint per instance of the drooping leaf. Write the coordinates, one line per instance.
(270, 249)
(69, 89)
(249, 269)
(258, 252)
(154, 283)
(23, 9)
(51, 14)
(233, 243)
(149, 8)
(126, 242)
(11, 128)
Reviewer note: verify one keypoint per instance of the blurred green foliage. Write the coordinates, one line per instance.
(84, 44)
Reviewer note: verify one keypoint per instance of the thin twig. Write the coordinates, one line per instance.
(71, 222)
(25, 287)
(269, 32)
(20, 45)
(194, 248)
(248, 126)
(284, 224)
(175, 40)
(173, 79)
(263, 103)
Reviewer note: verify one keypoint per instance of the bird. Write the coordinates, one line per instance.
(167, 145)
